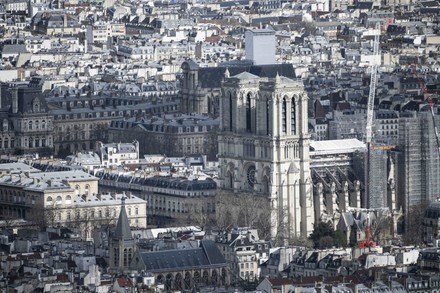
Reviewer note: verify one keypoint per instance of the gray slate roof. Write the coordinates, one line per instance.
(123, 231)
(14, 49)
(206, 256)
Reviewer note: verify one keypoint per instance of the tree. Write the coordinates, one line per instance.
(249, 210)
(9, 222)
(381, 227)
(414, 224)
(301, 241)
(322, 229)
(323, 236)
(198, 212)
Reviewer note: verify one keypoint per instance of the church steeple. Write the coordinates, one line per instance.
(122, 244)
(123, 231)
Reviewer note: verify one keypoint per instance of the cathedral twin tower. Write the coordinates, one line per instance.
(263, 142)
(264, 147)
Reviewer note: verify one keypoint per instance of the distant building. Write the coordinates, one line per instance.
(66, 198)
(260, 46)
(118, 154)
(100, 32)
(170, 200)
(171, 135)
(244, 252)
(26, 125)
(431, 223)
(81, 121)
(55, 23)
(185, 269)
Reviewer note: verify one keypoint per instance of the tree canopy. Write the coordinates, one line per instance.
(323, 236)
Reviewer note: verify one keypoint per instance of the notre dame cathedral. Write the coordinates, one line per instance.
(264, 147)
(263, 138)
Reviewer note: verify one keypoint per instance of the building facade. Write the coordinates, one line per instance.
(264, 148)
(118, 154)
(65, 198)
(26, 125)
(172, 201)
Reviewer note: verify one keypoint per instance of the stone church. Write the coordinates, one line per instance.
(264, 147)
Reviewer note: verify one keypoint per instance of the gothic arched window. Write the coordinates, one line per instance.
(293, 117)
(248, 113)
(284, 116)
(267, 117)
(230, 112)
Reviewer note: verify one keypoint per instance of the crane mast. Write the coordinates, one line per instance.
(370, 110)
(373, 82)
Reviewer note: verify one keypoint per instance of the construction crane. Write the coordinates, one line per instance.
(370, 106)
(367, 243)
(373, 82)
(431, 106)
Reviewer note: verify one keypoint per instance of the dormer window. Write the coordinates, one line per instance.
(36, 106)
(5, 125)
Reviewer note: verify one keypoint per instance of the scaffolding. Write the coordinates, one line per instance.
(418, 161)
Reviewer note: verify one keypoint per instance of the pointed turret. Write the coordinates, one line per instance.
(227, 74)
(122, 231)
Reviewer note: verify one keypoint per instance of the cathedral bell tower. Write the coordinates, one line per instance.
(264, 148)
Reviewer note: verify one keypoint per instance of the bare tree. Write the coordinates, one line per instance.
(224, 217)
(249, 210)
(381, 227)
(9, 222)
(200, 212)
(414, 224)
(46, 217)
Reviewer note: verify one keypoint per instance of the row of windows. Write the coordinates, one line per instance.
(7, 143)
(35, 125)
(177, 207)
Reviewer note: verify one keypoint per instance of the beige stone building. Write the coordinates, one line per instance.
(66, 198)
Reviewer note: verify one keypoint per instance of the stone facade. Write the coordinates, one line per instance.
(264, 148)
(26, 125)
(65, 198)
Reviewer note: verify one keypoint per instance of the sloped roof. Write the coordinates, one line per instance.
(336, 146)
(123, 231)
(207, 255)
(245, 75)
(14, 49)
